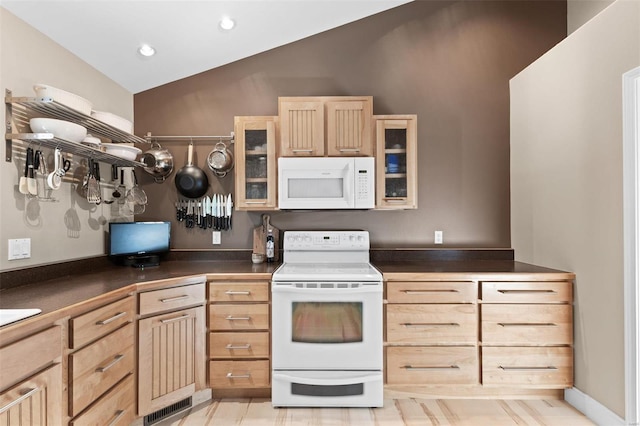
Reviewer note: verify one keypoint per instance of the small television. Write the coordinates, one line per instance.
(138, 244)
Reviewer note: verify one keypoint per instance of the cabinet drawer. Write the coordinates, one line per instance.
(526, 325)
(171, 298)
(114, 409)
(239, 317)
(100, 322)
(433, 324)
(432, 365)
(432, 292)
(239, 345)
(527, 292)
(26, 356)
(528, 367)
(251, 291)
(239, 374)
(99, 366)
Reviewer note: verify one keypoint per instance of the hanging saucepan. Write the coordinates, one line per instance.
(220, 160)
(158, 162)
(191, 181)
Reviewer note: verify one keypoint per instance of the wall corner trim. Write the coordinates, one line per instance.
(596, 412)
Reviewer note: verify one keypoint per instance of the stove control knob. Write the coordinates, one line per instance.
(352, 238)
(307, 239)
(360, 238)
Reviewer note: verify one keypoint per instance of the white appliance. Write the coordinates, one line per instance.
(327, 322)
(326, 183)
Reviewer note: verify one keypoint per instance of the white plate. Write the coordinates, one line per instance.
(127, 152)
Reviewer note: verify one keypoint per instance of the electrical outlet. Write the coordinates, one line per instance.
(20, 249)
(216, 237)
(437, 237)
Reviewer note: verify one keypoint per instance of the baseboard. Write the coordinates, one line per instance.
(596, 412)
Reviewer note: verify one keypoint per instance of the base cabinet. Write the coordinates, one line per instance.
(465, 335)
(239, 339)
(171, 351)
(35, 401)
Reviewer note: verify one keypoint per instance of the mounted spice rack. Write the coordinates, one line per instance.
(206, 213)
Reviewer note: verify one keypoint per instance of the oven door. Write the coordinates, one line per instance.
(327, 328)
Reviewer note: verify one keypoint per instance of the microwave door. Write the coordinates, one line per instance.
(326, 188)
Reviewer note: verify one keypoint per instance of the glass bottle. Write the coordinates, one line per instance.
(270, 252)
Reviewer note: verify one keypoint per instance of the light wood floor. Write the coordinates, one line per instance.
(410, 411)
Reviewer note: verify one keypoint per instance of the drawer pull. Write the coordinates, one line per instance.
(174, 299)
(230, 318)
(527, 368)
(113, 318)
(526, 291)
(117, 417)
(255, 202)
(231, 347)
(164, 321)
(430, 291)
(349, 149)
(27, 393)
(435, 367)
(395, 200)
(237, 293)
(116, 360)
(238, 376)
(431, 324)
(527, 324)
(295, 151)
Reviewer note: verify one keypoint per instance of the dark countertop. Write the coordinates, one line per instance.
(68, 289)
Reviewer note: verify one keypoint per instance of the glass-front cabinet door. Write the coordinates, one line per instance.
(256, 178)
(396, 162)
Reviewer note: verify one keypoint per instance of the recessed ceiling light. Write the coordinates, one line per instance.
(146, 50)
(227, 23)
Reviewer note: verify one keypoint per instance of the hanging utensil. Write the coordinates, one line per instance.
(23, 184)
(158, 162)
(114, 178)
(220, 160)
(191, 181)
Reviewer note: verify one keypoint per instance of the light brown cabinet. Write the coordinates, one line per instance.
(31, 382)
(102, 354)
(432, 333)
(326, 126)
(255, 151)
(239, 344)
(171, 349)
(527, 334)
(396, 161)
(466, 335)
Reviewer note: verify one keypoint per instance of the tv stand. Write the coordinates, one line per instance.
(142, 261)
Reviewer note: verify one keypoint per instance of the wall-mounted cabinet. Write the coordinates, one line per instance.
(256, 179)
(326, 126)
(396, 162)
(21, 108)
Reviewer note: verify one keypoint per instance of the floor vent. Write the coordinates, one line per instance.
(165, 412)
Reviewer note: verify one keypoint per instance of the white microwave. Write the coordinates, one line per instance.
(326, 183)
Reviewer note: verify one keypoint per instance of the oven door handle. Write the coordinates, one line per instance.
(342, 291)
(326, 382)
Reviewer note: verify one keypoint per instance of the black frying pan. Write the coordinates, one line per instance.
(191, 181)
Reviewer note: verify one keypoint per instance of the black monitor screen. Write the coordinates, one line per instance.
(133, 238)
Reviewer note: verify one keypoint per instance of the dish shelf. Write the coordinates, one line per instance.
(50, 141)
(54, 109)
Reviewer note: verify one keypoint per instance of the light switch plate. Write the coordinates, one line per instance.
(437, 237)
(19, 248)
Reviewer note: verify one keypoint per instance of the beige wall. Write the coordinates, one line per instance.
(566, 183)
(580, 12)
(448, 62)
(28, 57)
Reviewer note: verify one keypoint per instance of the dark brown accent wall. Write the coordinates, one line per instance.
(449, 62)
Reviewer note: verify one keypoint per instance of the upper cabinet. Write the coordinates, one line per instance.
(396, 162)
(326, 126)
(256, 179)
